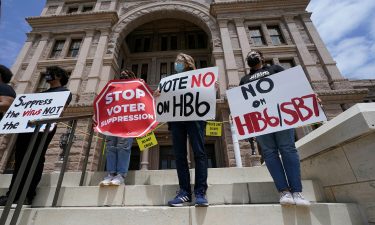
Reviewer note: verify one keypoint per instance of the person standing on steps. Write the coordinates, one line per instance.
(118, 152)
(7, 94)
(285, 171)
(180, 132)
(57, 78)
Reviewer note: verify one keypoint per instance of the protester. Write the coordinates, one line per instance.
(285, 171)
(195, 131)
(7, 94)
(118, 152)
(56, 78)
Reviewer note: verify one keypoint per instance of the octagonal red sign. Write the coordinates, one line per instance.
(125, 108)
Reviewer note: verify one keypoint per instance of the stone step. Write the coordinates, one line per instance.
(158, 195)
(154, 177)
(316, 214)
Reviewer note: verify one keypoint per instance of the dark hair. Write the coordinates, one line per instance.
(6, 74)
(127, 74)
(60, 72)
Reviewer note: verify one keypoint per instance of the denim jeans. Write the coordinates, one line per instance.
(195, 130)
(118, 154)
(286, 171)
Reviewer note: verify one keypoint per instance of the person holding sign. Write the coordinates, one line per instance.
(7, 94)
(285, 171)
(118, 152)
(195, 131)
(56, 77)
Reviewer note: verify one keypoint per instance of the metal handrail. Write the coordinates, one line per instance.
(31, 172)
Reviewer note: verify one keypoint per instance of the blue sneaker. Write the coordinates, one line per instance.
(182, 198)
(200, 199)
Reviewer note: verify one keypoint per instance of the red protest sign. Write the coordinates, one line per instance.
(125, 108)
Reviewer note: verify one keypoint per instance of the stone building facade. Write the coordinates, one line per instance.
(95, 39)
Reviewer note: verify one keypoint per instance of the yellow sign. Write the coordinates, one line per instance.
(213, 128)
(147, 141)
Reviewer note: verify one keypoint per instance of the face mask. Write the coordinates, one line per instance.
(179, 67)
(253, 59)
(49, 77)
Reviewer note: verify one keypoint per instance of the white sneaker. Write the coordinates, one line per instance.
(117, 180)
(286, 198)
(300, 200)
(106, 181)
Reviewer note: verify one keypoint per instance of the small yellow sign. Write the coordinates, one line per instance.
(213, 128)
(147, 141)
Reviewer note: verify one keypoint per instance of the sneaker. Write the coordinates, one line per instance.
(200, 200)
(3, 200)
(182, 198)
(286, 198)
(106, 181)
(300, 200)
(117, 180)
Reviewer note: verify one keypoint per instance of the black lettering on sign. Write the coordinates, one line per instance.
(262, 86)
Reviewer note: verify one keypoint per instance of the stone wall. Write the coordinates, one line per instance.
(341, 155)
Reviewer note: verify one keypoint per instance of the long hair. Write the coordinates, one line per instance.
(188, 60)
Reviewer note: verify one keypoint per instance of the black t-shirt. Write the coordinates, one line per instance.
(263, 72)
(61, 88)
(6, 90)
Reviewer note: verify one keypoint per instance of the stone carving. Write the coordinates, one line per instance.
(198, 13)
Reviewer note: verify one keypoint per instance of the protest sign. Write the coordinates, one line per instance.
(147, 141)
(213, 128)
(274, 103)
(26, 107)
(188, 96)
(125, 108)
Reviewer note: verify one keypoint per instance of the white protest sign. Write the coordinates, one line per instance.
(26, 107)
(274, 103)
(187, 96)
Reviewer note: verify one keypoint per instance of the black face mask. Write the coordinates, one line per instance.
(253, 59)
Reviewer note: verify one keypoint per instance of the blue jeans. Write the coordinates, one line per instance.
(118, 154)
(195, 130)
(286, 174)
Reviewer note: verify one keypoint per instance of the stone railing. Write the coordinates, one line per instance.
(341, 155)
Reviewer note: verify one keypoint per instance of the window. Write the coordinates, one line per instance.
(173, 42)
(276, 37)
(144, 72)
(203, 63)
(202, 40)
(287, 63)
(74, 48)
(172, 68)
(256, 36)
(72, 10)
(163, 70)
(87, 8)
(147, 44)
(135, 69)
(191, 41)
(138, 45)
(57, 48)
(164, 43)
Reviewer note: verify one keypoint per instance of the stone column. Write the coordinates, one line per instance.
(25, 81)
(304, 54)
(21, 56)
(144, 157)
(244, 41)
(76, 77)
(230, 61)
(97, 64)
(266, 34)
(327, 61)
(223, 84)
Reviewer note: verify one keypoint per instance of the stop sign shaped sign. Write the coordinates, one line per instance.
(125, 108)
